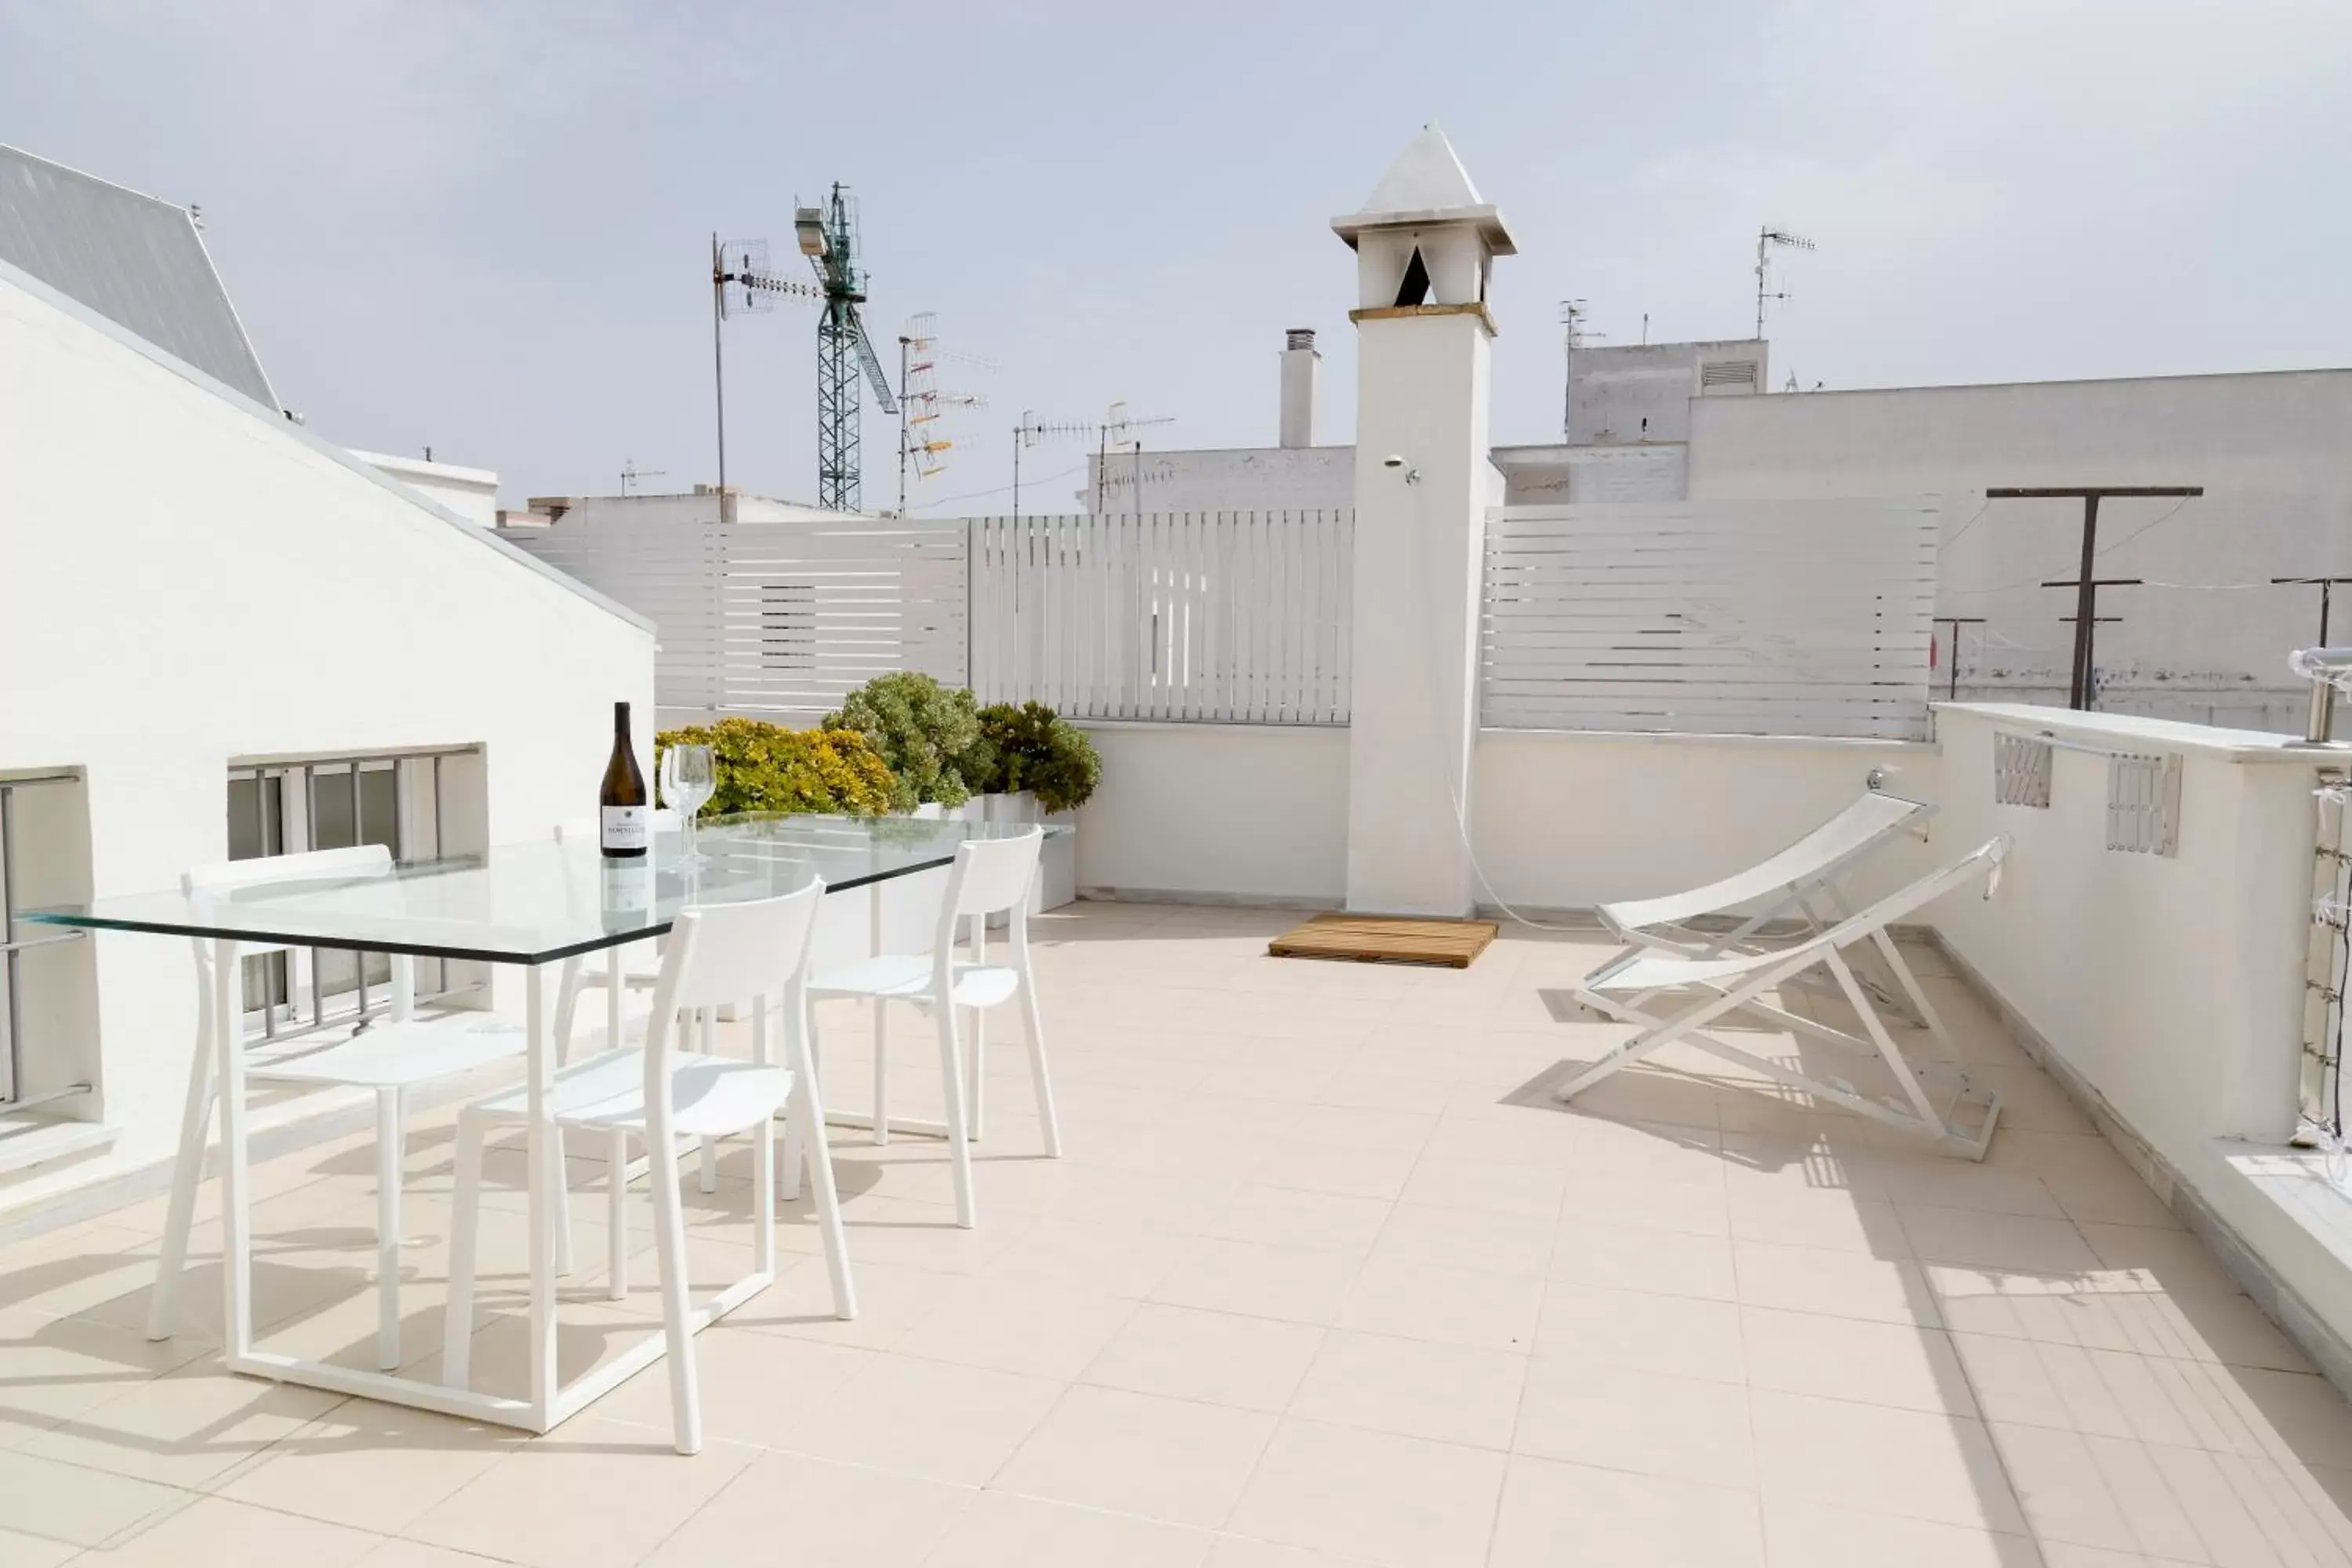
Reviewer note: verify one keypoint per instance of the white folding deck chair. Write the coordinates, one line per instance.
(1790, 883)
(1627, 990)
(754, 953)
(387, 1055)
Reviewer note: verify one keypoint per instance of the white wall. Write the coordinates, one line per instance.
(2270, 449)
(190, 579)
(1566, 820)
(1561, 821)
(1623, 392)
(471, 493)
(1254, 812)
(1253, 478)
(2173, 988)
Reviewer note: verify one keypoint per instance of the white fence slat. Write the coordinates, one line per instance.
(1793, 617)
(1198, 617)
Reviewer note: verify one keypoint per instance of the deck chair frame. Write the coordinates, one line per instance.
(1627, 991)
(1793, 880)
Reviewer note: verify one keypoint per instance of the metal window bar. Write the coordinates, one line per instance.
(12, 948)
(322, 977)
(2327, 970)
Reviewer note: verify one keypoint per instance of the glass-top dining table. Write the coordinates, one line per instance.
(544, 906)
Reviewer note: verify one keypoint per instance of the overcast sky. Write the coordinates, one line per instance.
(487, 227)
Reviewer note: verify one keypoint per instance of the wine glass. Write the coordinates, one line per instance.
(689, 779)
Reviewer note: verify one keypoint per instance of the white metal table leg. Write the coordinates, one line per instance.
(388, 1162)
(236, 1220)
(187, 1175)
(540, 1154)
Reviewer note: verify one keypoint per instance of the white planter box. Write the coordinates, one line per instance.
(1057, 868)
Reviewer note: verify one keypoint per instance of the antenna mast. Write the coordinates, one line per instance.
(1766, 238)
(740, 285)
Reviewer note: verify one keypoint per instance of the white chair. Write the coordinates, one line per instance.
(387, 1055)
(718, 954)
(990, 876)
(640, 969)
(1737, 983)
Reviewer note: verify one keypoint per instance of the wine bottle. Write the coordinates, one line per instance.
(622, 813)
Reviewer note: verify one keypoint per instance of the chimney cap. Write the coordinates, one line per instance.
(1299, 337)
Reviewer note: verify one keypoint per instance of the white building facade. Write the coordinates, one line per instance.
(220, 636)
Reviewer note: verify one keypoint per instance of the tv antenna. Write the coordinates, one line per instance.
(920, 401)
(1766, 239)
(1573, 315)
(1119, 434)
(741, 284)
(1029, 433)
(631, 474)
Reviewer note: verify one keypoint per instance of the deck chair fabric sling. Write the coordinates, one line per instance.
(1673, 996)
(1801, 881)
(1791, 881)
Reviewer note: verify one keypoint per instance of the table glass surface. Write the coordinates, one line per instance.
(531, 903)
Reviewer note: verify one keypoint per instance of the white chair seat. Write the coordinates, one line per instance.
(908, 978)
(395, 1053)
(640, 968)
(713, 1095)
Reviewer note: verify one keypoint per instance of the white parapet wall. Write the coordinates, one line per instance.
(192, 581)
(1568, 819)
(1217, 812)
(2167, 990)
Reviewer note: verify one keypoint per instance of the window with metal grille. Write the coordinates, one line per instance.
(40, 832)
(404, 801)
(1727, 375)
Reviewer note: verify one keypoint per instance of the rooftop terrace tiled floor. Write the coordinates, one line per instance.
(1326, 1278)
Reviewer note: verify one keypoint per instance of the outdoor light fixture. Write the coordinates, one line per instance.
(1412, 476)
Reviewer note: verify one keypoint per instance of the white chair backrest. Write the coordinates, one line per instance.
(1982, 861)
(584, 829)
(315, 865)
(993, 874)
(265, 871)
(720, 953)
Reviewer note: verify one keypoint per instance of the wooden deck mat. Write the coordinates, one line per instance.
(1385, 938)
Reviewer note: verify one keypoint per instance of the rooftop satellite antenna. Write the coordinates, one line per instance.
(1766, 238)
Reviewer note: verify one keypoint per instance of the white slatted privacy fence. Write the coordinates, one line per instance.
(779, 618)
(1727, 617)
(1231, 617)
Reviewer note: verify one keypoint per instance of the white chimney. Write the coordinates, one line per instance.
(1300, 370)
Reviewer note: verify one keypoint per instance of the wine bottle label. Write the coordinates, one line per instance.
(624, 828)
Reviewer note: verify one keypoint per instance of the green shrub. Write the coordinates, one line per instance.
(1032, 747)
(766, 767)
(928, 734)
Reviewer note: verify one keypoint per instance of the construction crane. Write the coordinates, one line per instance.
(828, 237)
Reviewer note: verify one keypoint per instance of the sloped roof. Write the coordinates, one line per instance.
(136, 260)
(1428, 175)
(1427, 184)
